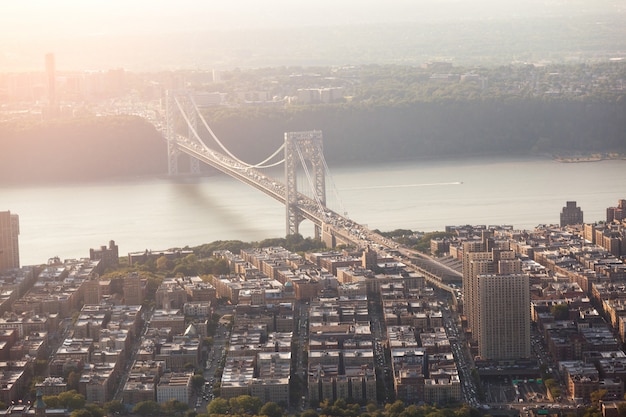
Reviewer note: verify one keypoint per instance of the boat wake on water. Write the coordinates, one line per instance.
(372, 187)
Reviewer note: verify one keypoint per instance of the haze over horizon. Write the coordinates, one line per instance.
(157, 35)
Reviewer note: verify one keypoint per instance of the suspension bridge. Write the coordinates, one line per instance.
(302, 153)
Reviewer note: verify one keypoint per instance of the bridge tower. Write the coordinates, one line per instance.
(178, 104)
(304, 147)
(170, 133)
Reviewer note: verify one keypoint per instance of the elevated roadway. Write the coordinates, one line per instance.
(335, 228)
(330, 223)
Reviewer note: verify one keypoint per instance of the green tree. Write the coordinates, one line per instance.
(436, 413)
(81, 413)
(592, 411)
(197, 381)
(52, 401)
(245, 404)
(114, 407)
(94, 410)
(271, 409)
(71, 400)
(309, 413)
(560, 311)
(423, 244)
(218, 406)
(72, 380)
(174, 408)
(220, 267)
(164, 264)
(147, 408)
(598, 395)
(394, 409)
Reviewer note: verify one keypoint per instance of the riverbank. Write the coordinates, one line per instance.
(156, 213)
(589, 158)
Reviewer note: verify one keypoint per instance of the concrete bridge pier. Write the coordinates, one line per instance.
(327, 235)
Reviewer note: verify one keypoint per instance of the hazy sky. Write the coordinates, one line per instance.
(30, 18)
(30, 28)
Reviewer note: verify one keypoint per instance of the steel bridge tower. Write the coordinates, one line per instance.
(303, 152)
(306, 148)
(174, 99)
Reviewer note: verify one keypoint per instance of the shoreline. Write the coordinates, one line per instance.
(589, 158)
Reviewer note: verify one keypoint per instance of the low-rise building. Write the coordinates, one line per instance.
(174, 386)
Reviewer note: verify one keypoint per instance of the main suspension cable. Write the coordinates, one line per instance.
(332, 183)
(318, 200)
(221, 145)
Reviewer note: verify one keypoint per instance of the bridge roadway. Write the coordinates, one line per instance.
(334, 226)
(308, 207)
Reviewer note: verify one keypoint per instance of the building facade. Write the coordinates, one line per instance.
(504, 331)
(496, 299)
(9, 245)
(571, 214)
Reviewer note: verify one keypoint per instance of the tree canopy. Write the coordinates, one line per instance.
(388, 113)
(245, 405)
(560, 311)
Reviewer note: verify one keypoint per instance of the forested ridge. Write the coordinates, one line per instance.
(80, 149)
(361, 133)
(387, 114)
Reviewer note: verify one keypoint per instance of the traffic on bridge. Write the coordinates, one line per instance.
(305, 148)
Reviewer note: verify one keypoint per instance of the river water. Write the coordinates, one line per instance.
(160, 213)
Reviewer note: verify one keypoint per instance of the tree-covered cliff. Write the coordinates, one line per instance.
(82, 149)
(361, 133)
(382, 114)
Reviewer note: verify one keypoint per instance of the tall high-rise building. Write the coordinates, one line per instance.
(496, 299)
(9, 245)
(476, 260)
(504, 305)
(571, 214)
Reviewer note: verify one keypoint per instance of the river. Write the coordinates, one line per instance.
(159, 213)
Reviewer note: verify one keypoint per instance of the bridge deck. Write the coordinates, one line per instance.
(341, 228)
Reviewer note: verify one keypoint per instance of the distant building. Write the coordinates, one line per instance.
(107, 256)
(571, 214)
(147, 255)
(616, 213)
(92, 292)
(209, 99)
(134, 289)
(52, 386)
(319, 95)
(9, 245)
